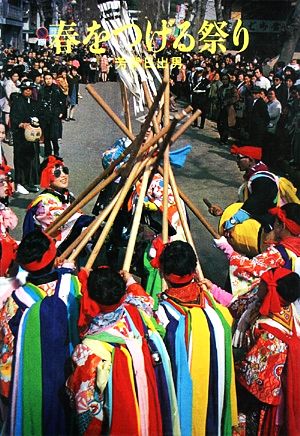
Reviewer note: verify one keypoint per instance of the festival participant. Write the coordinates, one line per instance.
(38, 332)
(269, 372)
(245, 273)
(51, 203)
(198, 339)
(260, 190)
(122, 382)
(8, 246)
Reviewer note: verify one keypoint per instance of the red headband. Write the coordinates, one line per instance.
(47, 257)
(248, 151)
(272, 302)
(176, 279)
(47, 176)
(291, 225)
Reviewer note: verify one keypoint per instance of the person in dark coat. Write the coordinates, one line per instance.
(73, 81)
(227, 97)
(53, 106)
(281, 90)
(200, 96)
(26, 154)
(258, 119)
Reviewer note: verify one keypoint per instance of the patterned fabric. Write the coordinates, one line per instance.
(45, 209)
(260, 372)
(116, 342)
(245, 273)
(202, 364)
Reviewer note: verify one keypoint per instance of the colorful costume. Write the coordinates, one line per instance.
(122, 380)
(269, 370)
(198, 339)
(38, 333)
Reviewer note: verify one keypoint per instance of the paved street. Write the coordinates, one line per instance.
(210, 171)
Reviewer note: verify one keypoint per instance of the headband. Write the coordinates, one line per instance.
(248, 151)
(47, 257)
(47, 176)
(178, 280)
(272, 302)
(291, 225)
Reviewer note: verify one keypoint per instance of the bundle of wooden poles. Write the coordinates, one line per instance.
(144, 158)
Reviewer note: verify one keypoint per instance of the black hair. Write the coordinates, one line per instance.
(288, 287)
(48, 73)
(106, 286)
(292, 211)
(178, 258)
(32, 248)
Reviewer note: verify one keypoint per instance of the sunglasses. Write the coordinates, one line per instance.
(58, 172)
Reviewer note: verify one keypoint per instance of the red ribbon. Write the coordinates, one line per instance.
(47, 177)
(88, 307)
(48, 257)
(292, 226)
(272, 302)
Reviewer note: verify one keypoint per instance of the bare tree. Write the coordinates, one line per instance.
(218, 9)
(292, 35)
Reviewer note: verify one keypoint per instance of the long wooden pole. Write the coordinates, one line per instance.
(133, 149)
(96, 224)
(195, 211)
(126, 107)
(165, 227)
(139, 166)
(184, 222)
(136, 219)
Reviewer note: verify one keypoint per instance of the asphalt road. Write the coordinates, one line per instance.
(210, 171)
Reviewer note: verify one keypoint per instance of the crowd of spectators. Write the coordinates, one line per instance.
(255, 103)
(40, 84)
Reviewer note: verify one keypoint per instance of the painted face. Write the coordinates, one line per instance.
(2, 132)
(61, 178)
(4, 191)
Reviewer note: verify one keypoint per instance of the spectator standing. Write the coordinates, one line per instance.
(93, 69)
(281, 90)
(11, 86)
(270, 147)
(258, 119)
(73, 79)
(200, 96)
(104, 67)
(260, 80)
(52, 104)
(228, 96)
(63, 85)
(26, 154)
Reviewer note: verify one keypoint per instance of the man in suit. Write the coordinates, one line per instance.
(258, 119)
(200, 96)
(281, 90)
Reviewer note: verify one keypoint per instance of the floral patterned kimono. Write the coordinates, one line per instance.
(122, 381)
(263, 372)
